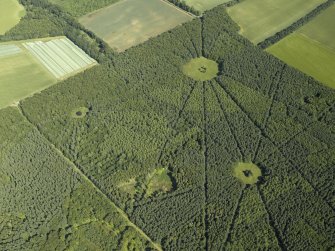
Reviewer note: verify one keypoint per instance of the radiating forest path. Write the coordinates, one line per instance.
(85, 178)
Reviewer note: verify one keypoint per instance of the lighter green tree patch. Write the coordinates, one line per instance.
(201, 69)
(4, 179)
(247, 173)
(158, 181)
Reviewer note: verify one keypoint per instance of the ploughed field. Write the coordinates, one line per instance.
(31, 66)
(311, 49)
(131, 22)
(194, 140)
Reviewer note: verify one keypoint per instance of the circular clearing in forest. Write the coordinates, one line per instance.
(201, 69)
(248, 173)
(79, 112)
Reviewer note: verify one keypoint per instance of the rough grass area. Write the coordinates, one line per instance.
(131, 22)
(322, 28)
(248, 173)
(10, 14)
(158, 181)
(202, 6)
(308, 56)
(201, 69)
(20, 76)
(261, 19)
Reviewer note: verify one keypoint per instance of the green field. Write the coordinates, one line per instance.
(20, 76)
(202, 6)
(311, 49)
(10, 14)
(307, 55)
(322, 28)
(259, 19)
(132, 22)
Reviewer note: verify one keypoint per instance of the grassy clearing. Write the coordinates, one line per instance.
(322, 28)
(79, 112)
(261, 19)
(307, 55)
(248, 173)
(20, 76)
(201, 69)
(159, 181)
(131, 22)
(202, 6)
(10, 14)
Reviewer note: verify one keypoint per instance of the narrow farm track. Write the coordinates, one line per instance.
(234, 218)
(271, 221)
(205, 186)
(79, 171)
(263, 134)
(174, 123)
(269, 111)
(227, 121)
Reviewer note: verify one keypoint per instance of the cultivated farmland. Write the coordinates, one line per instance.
(20, 76)
(311, 49)
(322, 28)
(259, 19)
(60, 56)
(202, 6)
(131, 22)
(10, 14)
(31, 66)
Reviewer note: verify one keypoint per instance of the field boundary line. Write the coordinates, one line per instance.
(80, 172)
(312, 40)
(179, 9)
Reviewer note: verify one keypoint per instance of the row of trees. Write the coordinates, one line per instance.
(296, 25)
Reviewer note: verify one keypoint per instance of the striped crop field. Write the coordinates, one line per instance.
(8, 50)
(60, 56)
(30, 66)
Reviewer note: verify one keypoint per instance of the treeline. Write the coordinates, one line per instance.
(82, 7)
(296, 25)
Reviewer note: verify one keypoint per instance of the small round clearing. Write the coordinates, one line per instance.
(79, 112)
(201, 69)
(248, 173)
